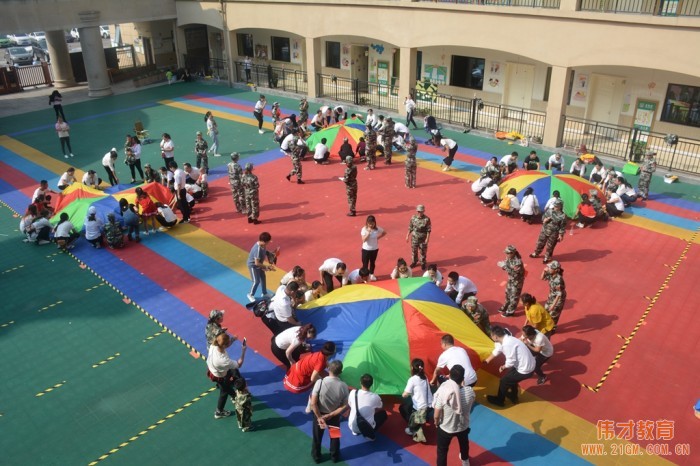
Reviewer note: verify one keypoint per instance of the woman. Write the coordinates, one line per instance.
(223, 370)
(56, 99)
(29, 216)
(401, 270)
(297, 274)
(167, 149)
(308, 369)
(148, 210)
(258, 112)
(433, 274)
(64, 233)
(67, 179)
(598, 174)
(289, 345)
(410, 110)
(132, 149)
(489, 196)
(615, 207)
(131, 219)
(93, 228)
(213, 133)
(586, 213)
(416, 412)
(509, 204)
(536, 315)
(108, 163)
(371, 234)
(529, 206)
(361, 149)
(556, 299)
(63, 132)
(150, 175)
(213, 328)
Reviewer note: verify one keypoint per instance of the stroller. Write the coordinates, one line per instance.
(432, 127)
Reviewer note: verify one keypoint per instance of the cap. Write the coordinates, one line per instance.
(554, 265)
(199, 133)
(558, 202)
(649, 153)
(420, 208)
(92, 210)
(235, 156)
(216, 314)
(348, 159)
(248, 166)
(510, 249)
(472, 301)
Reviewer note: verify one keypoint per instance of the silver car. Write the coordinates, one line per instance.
(19, 56)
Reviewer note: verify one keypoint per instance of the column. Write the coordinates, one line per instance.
(95, 63)
(407, 75)
(313, 65)
(556, 106)
(60, 59)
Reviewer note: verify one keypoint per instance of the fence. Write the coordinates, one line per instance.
(521, 3)
(644, 7)
(366, 94)
(273, 77)
(496, 117)
(34, 75)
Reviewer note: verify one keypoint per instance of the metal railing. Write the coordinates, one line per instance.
(199, 66)
(644, 7)
(520, 3)
(496, 117)
(366, 94)
(272, 77)
(126, 57)
(446, 108)
(34, 75)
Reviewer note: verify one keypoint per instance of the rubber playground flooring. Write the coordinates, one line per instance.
(148, 400)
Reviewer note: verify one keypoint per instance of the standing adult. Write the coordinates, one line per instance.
(179, 181)
(56, 99)
(513, 265)
(258, 111)
(540, 347)
(648, 167)
(235, 175)
(308, 369)
(450, 146)
(167, 149)
(201, 151)
(108, 163)
(303, 112)
(410, 105)
(553, 230)
(214, 327)
(519, 365)
(419, 228)
(251, 193)
(247, 64)
(223, 369)
(450, 356)
(290, 344)
(330, 268)
(329, 399)
(536, 315)
(416, 413)
(63, 132)
(371, 234)
(453, 402)
(256, 265)
(410, 163)
(295, 152)
(213, 133)
(556, 298)
(134, 161)
(387, 133)
(350, 180)
(371, 150)
(369, 406)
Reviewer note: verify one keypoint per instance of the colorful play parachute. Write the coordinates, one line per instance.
(544, 182)
(335, 134)
(378, 328)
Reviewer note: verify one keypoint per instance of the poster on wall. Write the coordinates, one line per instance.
(435, 74)
(383, 76)
(345, 56)
(296, 51)
(644, 114)
(580, 90)
(261, 52)
(494, 75)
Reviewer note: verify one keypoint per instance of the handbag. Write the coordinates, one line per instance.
(260, 307)
(363, 424)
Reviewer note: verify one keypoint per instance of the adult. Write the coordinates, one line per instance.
(26, 222)
(329, 399)
(56, 99)
(39, 230)
(318, 121)
(43, 190)
(410, 105)
(371, 234)
(433, 274)
(223, 369)
(303, 112)
(509, 204)
(179, 181)
(625, 191)
(536, 315)
(132, 151)
(477, 313)
(350, 180)
(201, 151)
(416, 412)
(532, 161)
(108, 163)
(450, 356)
(369, 406)
(614, 206)
(167, 149)
(296, 152)
(387, 132)
(64, 233)
(251, 194)
(556, 298)
(598, 174)
(371, 140)
(453, 403)
(540, 347)
(321, 152)
(314, 292)
(247, 64)
(459, 288)
(235, 175)
(91, 180)
(297, 274)
(555, 162)
(481, 184)
(94, 227)
(280, 315)
(553, 230)
(419, 228)
(256, 264)
(509, 163)
(450, 146)
(308, 369)
(67, 179)
(258, 111)
(346, 150)
(519, 365)
(214, 327)
(489, 197)
(648, 167)
(401, 270)
(529, 206)
(63, 132)
(513, 265)
(213, 133)
(289, 345)
(491, 170)
(578, 168)
(410, 163)
(330, 268)
(359, 276)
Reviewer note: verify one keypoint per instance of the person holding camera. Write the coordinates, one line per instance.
(223, 370)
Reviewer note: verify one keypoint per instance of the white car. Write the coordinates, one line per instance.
(75, 34)
(38, 35)
(104, 32)
(20, 39)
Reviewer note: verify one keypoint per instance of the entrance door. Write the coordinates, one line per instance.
(605, 102)
(520, 79)
(359, 65)
(197, 46)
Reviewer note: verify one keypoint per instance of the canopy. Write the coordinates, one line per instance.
(334, 135)
(379, 327)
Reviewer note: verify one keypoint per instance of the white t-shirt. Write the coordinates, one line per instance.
(329, 266)
(167, 214)
(168, 147)
(93, 230)
(400, 128)
(63, 130)
(506, 160)
(541, 340)
(463, 286)
(449, 143)
(219, 363)
(286, 142)
(480, 184)
(66, 179)
(438, 277)
(179, 179)
(553, 160)
(410, 105)
(63, 230)
(136, 149)
(354, 277)
(317, 119)
(39, 192)
(259, 106)
(108, 161)
(550, 203)
(194, 173)
(368, 403)
(90, 179)
(617, 201)
(456, 355)
(281, 305)
(491, 192)
(372, 241)
(517, 354)
(421, 396)
(287, 338)
(320, 151)
(527, 206)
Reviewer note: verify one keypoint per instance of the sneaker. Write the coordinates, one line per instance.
(43, 241)
(261, 131)
(367, 168)
(256, 222)
(247, 429)
(541, 380)
(217, 155)
(500, 214)
(27, 240)
(579, 225)
(145, 233)
(289, 177)
(269, 294)
(446, 169)
(65, 156)
(72, 155)
(495, 207)
(300, 182)
(533, 255)
(250, 297)
(162, 229)
(408, 431)
(220, 414)
(185, 221)
(494, 400)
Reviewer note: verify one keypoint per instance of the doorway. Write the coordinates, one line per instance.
(607, 93)
(359, 65)
(520, 79)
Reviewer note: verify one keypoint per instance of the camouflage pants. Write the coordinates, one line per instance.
(238, 197)
(410, 176)
(387, 150)
(244, 415)
(643, 186)
(296, 167)
(419, 248)
(555, 311)
(351, 191)
(252, 205)
(546, 242)
(205, 189)
(203, 161)
(371, 152)
(303, 118)
(514, 287)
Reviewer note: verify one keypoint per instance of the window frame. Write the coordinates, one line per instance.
(468, 80)
(278, 55)
(333, 56)
(241, 43)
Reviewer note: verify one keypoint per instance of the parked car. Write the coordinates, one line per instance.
(74, 32)
(37, 35)
(5, 42)
(18, 56)
(69, 37)
(104, 32)
(20, 39)
(40, 50)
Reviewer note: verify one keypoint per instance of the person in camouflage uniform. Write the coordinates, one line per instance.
(251, 192)
(235, 174)
(478, 314)
(244, 405)
(648, 168)
(492, 170)
(419, 229)
(113, 232)
(410, 175)
(303, 112)
(350, 180)
(597, 205)
(387, 139)
(513, 265)
(553, 230)
(554, 274)
(200, 149)
(296, 154)
(371, 151)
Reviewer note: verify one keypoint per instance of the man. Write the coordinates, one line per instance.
(91, 180)
(201, 148)
(368, 404)
(258, 112)
(303, 112)
(43, 190)
(449, 146)
(453, 355)
(648, 168)
(371, 119)
(555, 162)
(552, 232)
(453, 403)
(540, 346)
(333, 268)
(491, 170)
(192, 174)
(459, 288)
(329, 399)
(179, 181)
(509, 163)
(321, 152)
(280, 315)
(513, 265)
(519, 365)
(387, 133)
(294, 149)
(419, 229)
(257, 267)
(531, 162)
(362, 275)
(235, 174)
(251, 193)
(350, 180)
(410, 163)
(371, 141)
(318, 121)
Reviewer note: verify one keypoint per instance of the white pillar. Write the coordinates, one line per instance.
(313, 65)
(556, 106)
(60, 59)
(95, 62)
(407, 75)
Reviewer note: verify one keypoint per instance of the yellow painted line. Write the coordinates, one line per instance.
(50, 389)
(659, 227)
(153, 336)
(432, 166)
(105, 361)
(7, 324)
(49, 306)
(94, 287)
(220, 114)
(12, 269)
(28, 152)
(150, 428)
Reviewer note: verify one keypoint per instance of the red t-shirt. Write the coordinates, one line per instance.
(147, 205)
(298, 378)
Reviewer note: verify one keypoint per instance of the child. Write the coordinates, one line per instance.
(244, 405)
(38, 232)
(509, 204)
(131, 219)
(113, 233)
(148, 210)
(64, 233)
(401, 270)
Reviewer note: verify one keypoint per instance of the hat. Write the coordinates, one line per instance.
(472, 301)
(649, 153)
(554, 265)
(216, 314)
(92, 210)
(420, 208)
(248, 166)
(557, 203)
(510, 249)
(199, 133)
(235, 156)
(348, 159)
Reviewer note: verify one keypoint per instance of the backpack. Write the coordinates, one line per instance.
(259, 307)
(505, 203)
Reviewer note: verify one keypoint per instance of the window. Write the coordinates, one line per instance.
(467, 72)
(333, 54)
(245, 45)
(682, 105)
(280, 49)
(547, 83)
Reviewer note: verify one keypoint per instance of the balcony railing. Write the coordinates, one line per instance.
(644, 7)
(519, 3)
